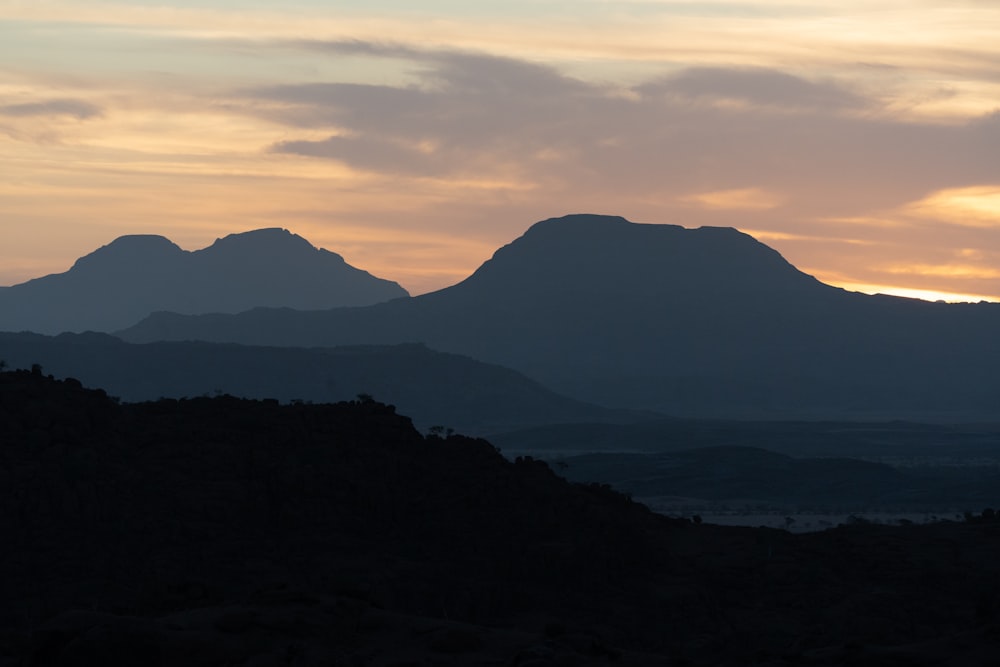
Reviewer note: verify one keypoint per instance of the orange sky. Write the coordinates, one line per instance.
(860, 139)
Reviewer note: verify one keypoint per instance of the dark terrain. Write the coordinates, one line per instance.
(218, 531)
(780, 467)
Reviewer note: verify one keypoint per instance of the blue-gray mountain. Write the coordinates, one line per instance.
(702, 322)
(433, 388)
(133, 276)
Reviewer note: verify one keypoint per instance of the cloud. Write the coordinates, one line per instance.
(57, 107)
(741, 198)
(497, 76)
(754, 86)
(813, 146)
(977, 206)
(369, 153)
(945, 270)
(359, 47)
(469, 112)
(359, 106)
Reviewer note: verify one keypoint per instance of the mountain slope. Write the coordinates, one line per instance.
(433, 387)
(702, 322)
(133, 276)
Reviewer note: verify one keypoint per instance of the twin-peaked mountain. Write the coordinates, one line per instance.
(705, 322)
(126, 280)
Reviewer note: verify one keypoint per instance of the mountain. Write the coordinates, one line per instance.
(434, 388)
(690, 322)
(133, 276)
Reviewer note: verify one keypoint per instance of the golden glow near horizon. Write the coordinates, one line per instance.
(977, 206)
(910, 293)
(859, 139)
(740, 199)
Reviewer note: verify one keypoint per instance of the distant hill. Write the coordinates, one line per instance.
(690, 322)
(750, 475)
(434, 388)
(743, 477)
(899, 442)
(835, 466)
(133, 276)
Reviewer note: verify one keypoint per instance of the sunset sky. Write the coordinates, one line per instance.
(859, 138)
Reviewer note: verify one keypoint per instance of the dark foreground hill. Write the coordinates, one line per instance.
(433, 388)
(133, 276)
(222, 531)
(688, 322)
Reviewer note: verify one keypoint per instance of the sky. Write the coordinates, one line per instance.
(859, 138)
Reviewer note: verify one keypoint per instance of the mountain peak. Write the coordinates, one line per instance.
(122, 282)
(130, 245)
(265, 240)
(576, 226)
(263, 235)
(582, 220)
(139, 242)
(589, 254)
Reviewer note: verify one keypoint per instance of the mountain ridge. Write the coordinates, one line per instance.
(706, 322)
(434, 388)
(135, 275)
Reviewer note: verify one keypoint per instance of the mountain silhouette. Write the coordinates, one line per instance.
(434, 388)
(690, 322)
(133, 276)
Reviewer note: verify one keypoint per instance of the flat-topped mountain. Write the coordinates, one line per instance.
(579, 257)
(705, 322)
(133, 276)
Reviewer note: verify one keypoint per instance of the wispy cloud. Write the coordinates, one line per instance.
(755, 87)
(736, 199)
(57, 107)
(977, 206)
